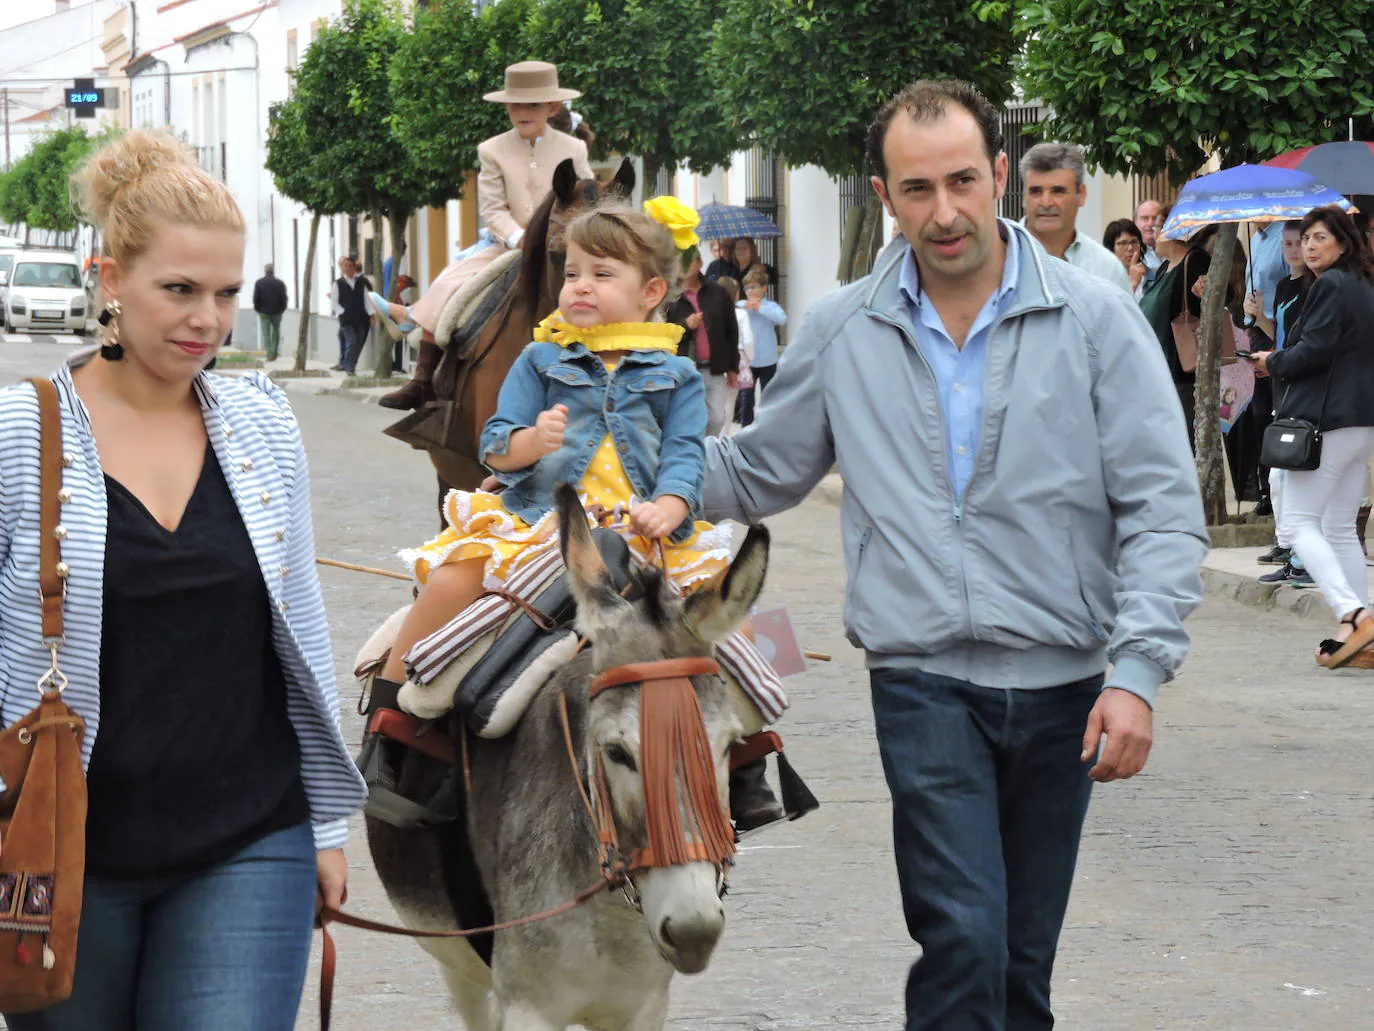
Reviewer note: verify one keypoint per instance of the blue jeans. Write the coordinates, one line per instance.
(224, 949)
(988, 801)
(352, 337)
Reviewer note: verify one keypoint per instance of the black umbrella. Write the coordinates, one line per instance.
(1346, 167)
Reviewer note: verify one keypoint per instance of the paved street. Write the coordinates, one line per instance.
(1226, 888)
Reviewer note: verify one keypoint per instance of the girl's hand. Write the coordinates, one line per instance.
(331, 872)
(658, 519)
(1254, 304)
(549, 429)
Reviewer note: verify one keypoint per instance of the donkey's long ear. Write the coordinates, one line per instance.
(715, 612)
(624, 181)
(565, 182)
(588, 576)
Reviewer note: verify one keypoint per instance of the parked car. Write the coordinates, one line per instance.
(45, 292)
(6, 265)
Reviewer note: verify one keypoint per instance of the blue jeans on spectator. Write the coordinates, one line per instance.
(224, 949)
(988, 802)
(352, 336)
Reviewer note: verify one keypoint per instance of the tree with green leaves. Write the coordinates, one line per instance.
(1149, 88)
(346, 113)
(36, 190)
(299, 172)
(803, 78)
(647, 80)
(450, 58)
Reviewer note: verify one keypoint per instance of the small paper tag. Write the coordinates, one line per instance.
(777, 640)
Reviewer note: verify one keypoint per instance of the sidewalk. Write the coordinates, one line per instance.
(319, 378)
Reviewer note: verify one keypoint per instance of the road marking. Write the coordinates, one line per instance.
(40, 338)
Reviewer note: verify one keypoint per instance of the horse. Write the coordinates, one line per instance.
(594, 760)
(469, 376)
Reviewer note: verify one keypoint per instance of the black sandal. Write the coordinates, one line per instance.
(1342, 653)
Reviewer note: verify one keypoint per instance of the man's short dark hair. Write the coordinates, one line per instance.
(925, 101)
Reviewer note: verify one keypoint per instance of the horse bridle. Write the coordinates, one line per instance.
(596, 794)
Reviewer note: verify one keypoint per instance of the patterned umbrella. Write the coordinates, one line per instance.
(1347, 167)
(732, 221)
(1247, 193)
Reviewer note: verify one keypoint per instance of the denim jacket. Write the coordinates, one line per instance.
(653, 405)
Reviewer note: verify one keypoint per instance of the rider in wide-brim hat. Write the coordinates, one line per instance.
(515, 175)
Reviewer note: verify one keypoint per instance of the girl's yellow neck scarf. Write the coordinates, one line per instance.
(617, 336)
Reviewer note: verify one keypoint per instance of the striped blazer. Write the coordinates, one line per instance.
(258, 444)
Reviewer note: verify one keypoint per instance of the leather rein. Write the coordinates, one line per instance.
(616, 867)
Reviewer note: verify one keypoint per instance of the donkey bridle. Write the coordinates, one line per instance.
(613, 860)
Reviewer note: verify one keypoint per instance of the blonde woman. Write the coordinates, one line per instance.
(196, 645)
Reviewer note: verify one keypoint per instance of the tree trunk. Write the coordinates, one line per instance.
(649, 188)
(849, 243)
(869, 238)
(303, 337)
(1211, 462)
(382, 369)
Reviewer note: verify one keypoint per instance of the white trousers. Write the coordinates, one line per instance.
(1319, 509)
(720, 403)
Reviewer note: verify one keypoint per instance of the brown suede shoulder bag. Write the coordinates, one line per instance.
(43, 810)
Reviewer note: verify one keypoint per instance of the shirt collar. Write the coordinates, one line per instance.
(202, 386)
(910, 279)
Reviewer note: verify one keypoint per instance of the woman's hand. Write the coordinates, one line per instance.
(694, 320)
(1200, 285)
(331, 872)
(1254, 304)
(657, 519)
(1137, 273)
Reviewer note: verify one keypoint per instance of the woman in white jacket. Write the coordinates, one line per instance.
(196, 642)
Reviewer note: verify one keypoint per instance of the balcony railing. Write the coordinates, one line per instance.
(213, 158)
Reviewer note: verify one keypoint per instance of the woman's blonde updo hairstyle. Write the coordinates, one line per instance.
(616, 230)
(141, 178)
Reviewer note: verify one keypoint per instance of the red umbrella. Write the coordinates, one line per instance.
(1347, 167)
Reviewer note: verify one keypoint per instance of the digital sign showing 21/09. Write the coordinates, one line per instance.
(85, 97)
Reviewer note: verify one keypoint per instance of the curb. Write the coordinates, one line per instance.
(1307, 604)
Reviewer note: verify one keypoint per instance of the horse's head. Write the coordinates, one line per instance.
(658, 750)
(544, 250)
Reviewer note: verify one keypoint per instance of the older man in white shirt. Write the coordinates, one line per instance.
(1052, 174)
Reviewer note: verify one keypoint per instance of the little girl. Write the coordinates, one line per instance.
(600, 399)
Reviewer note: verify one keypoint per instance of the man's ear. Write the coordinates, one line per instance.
(880, 188)
(999, 176)
(1082, 194)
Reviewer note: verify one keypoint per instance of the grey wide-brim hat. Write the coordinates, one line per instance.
(531, 82)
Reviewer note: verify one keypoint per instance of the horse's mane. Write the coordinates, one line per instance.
(534, 255)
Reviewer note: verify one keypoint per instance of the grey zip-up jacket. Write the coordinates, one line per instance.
(1080, 536)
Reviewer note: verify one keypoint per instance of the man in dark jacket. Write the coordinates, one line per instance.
(712, 341)
(269, 301)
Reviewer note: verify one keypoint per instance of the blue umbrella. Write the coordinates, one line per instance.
(1247, 193)
(732, 221)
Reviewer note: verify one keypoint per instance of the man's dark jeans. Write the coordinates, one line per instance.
(988, 801)
(352, 337)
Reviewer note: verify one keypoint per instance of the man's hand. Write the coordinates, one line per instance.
(331, 872)
(658, 519)
(694, 320)
(549, 428)
(732, 380)
(1128, 724)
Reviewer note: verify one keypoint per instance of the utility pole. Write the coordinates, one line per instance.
(5, 94)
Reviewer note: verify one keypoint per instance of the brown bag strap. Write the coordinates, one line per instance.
(50, 581)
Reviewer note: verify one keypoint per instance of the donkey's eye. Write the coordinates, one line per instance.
(619, 755)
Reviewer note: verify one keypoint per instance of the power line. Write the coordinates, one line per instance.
(48, 57)
(110, 80)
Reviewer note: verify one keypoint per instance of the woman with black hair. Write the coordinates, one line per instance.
(1124, 239)
(1325, 375)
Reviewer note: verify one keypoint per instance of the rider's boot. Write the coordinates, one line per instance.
(752, 802)
(418, 390)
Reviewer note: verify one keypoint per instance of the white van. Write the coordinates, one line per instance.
(7, 256)
(45, 293)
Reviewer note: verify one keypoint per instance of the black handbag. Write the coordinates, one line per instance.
(1295, 443)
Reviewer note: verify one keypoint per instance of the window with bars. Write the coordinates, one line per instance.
(855, 191)
(763, 192)
(1016, 119)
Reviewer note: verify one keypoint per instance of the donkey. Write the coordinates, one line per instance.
(469, 378)
(607, 964)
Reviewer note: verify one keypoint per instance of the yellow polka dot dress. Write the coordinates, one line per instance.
(479, 527)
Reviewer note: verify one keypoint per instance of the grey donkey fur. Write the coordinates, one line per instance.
(605, 966)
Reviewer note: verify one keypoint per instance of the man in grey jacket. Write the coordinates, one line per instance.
(1020, 510)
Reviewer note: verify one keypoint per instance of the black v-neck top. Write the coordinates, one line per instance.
(196, 757)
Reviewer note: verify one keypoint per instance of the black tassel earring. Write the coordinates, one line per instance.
(110, 347)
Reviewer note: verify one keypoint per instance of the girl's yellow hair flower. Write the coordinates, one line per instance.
(679, 219)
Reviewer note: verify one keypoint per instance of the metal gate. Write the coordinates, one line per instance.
(1016, 119)
(763, 192)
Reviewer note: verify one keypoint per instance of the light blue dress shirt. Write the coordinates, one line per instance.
(1267, 267)
(959, 372)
